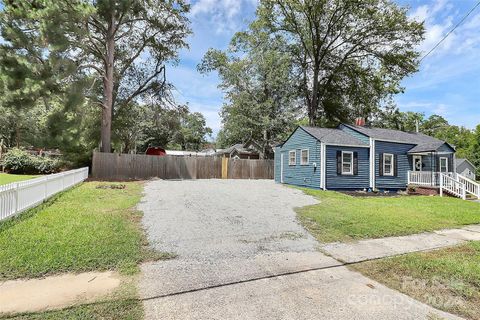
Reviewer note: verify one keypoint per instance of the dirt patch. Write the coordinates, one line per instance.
(111, 186)
(55, 292)
(372, 194)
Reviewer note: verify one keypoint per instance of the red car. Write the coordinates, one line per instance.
(155, 151)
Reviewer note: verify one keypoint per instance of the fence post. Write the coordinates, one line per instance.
(441, 185)
(224, 168)
(45, 191)
(16, 198)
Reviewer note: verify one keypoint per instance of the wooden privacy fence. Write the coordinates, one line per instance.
(17, 197)
(116, 166)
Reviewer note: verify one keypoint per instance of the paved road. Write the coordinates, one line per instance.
(243, 255)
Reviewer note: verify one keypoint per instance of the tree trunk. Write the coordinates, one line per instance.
(313, 106)
(108, 83)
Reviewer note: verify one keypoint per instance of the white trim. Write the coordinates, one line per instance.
(294, 163)
(323, 169)
(428, 153)
(301, 157)
(413, 163)
(372, 163)
(281, 166)
(351, 163)
(345, 145)
(440, 164)
(392, 165)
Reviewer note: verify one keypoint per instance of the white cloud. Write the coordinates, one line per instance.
(225, 15)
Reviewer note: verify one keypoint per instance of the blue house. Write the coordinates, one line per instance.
(356, 157)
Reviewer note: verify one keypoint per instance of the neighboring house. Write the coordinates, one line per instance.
(356, 157)
(239, 151)
(465, 168)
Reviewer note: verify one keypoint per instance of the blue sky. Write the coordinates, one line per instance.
(448, 82)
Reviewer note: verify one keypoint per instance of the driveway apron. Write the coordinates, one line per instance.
(241, 254)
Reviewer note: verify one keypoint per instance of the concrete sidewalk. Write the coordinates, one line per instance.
(391, 246)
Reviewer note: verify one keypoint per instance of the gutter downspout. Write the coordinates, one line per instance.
(372, 163)
(323, 166)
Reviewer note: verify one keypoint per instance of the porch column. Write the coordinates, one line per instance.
(432, 169)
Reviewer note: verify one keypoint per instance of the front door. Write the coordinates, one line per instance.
(417, 163)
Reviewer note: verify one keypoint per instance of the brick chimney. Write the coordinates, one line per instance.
(360, 122)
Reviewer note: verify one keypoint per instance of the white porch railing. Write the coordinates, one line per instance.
(423, 178)
(452, 186)
(19, 196)
(471, 186)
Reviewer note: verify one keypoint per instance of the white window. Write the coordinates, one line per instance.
(443, 164)
(347, 162)
(388, 164)
(304, 154)
(292, 158)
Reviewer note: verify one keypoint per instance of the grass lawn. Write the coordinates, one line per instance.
(116, 310)
(6, 178)
(340, 217)
(84, 229)
(448, 279)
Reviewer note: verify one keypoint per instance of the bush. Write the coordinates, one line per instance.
(21, 162)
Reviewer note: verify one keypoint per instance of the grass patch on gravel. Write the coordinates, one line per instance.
(83, 229)
(113, 310)
(447, 279)
(6, 178)
(340, 217)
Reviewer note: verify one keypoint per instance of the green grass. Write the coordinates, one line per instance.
(6, 178)
(84, 229)
(340, 217)
(114, 310)
(448, 279)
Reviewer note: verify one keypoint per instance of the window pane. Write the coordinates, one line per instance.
(347, 157)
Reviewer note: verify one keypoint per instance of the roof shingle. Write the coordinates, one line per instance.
(333, 136)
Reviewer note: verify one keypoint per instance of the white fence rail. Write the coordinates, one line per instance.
(452, 186)
(427, 178)
(471, 186)
(19, 196)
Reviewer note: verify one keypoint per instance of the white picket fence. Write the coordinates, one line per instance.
(17, 197)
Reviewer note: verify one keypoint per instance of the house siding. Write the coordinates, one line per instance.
(356, 134)
(464, 169)
(300, 175)
(404, 164)
(336, 181)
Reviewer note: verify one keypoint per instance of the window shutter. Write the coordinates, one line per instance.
(395, 165)
(355, 163)
(339, 162)
(380, 164)
(437, 159)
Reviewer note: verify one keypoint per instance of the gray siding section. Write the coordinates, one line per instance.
(301, 175)
(445, 148)
(335, 181)
(356, 134)
(404, 164)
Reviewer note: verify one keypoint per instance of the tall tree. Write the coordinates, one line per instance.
(255, 75)
(125, 44)
(349, 55)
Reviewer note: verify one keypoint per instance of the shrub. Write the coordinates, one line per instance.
(20, 161)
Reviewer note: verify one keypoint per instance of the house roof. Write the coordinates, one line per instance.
(460, 161)
(423, 142)
(333, 136)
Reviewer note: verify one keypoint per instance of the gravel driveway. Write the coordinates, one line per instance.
(243, 255)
